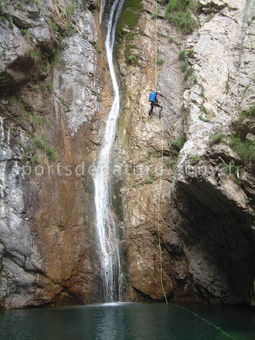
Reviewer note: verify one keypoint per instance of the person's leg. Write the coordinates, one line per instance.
(160, 112)
(151, 109)
(160, 106)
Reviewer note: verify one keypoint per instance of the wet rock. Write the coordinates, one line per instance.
(51, 90)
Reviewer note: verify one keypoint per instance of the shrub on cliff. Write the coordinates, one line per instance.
(181, 14)
(244, 148)
(250, 113)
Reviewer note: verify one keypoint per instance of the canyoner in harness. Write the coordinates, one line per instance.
(153, 99)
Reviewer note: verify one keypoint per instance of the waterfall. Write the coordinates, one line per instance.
(106, 225)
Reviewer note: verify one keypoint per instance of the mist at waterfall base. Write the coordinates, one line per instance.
(128, 321)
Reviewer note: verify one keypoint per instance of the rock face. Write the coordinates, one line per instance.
(216, 223)
(183, 196)
(51, 87)
(212, 211)
(205, 221)
(156, 264)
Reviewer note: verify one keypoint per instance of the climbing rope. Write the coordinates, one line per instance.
(162, 160)
(159, 206)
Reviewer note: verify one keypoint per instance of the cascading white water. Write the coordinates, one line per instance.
(106, 226)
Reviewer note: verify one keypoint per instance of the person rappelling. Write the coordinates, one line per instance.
(153, 99)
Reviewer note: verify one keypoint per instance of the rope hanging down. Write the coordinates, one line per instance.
(162, 160)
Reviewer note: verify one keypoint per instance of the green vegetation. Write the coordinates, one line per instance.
(245, 91)
(244, 148)
(160, 61)
(227, 86)
(149, 154)
(172, 40)
(70, 29)
(150, 180)
(232, 168)
(70, 10)
(197, 158)
(203, 109)
(81, 82)
(210, 17)
(216, 138)
(30, 156)
(35, 54)
(179, 142)
(24, 31)
(184, 54)
(6, 18)
(32, 124)
(202, 94)
(56, 59)
(62, 100)
(59, 33)
(249, 200)
(32, 1)
(250, 113)
(13, 100)
(132, 60)
(190, 53)
(24, 109)
(204, 118)
(45, 86)
(96, 46)
(181, 13)
(38, 142)
(185, 115)
(42, 144)
(154, 15)
(34, 159)
(173, 163)
(185, 67)
(38, 121)
(127, 27)
(194, 79)
(55, 29)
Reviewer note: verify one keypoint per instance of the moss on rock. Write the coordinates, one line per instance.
(127, 26)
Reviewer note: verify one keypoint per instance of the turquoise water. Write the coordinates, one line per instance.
(128, 321)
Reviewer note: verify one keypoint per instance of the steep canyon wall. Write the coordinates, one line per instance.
(52, 88)
(205, 223)
(173, 187)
